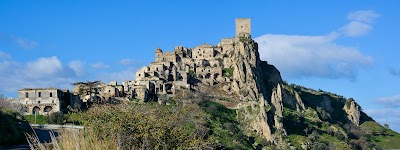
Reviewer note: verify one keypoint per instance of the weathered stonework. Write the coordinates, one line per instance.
(46, 100)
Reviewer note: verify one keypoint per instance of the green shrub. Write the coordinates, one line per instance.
(40, 119)
(227, 72)
(56, 118)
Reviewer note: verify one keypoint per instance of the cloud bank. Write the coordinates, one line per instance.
(301, 56)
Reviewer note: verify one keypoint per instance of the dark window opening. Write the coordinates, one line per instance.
(38, 102)
(40, 94)
(26, 95)
(51, 94)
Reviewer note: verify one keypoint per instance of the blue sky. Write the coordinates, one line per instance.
(346, 47)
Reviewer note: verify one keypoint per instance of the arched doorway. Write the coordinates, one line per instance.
(208, 75)
(35, 110)
(216, 75)
(48, 109)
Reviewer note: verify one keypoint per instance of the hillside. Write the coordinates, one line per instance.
(225, 97)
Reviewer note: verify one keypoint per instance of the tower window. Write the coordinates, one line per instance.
(51, 94)
(26, 95)
(40, 94)
(38, 102)
(52, 101)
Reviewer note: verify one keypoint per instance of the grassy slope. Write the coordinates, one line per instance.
(381, 136)
(297, 123)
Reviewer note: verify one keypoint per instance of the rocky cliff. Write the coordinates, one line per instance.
(285, 115)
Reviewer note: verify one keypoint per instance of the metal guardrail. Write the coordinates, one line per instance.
(55, 126)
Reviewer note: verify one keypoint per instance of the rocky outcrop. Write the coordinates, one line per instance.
(325, 103)
(292, 99)
(352, 110)
(277, 109)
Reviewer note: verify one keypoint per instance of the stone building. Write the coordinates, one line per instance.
(46, 100)
(181, 68)
(98, 92)
(185, 67)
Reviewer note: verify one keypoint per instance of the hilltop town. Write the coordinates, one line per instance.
(244, 95)
(182, 68)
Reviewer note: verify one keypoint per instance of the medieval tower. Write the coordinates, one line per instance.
(243, 27)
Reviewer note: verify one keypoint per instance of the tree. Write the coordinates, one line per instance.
(56, 118)
(386, 125)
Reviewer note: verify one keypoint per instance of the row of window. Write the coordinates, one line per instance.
(39, 94)
(52, 101)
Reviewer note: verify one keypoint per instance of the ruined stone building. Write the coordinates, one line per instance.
(46, 100)
(185, 67)
(98, 91)
(181, 68)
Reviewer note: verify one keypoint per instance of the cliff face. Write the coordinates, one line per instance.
(256, 81)
(266, 101)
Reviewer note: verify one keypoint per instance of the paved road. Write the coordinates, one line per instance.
(43, 135)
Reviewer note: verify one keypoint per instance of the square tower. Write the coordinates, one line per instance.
(243, 27)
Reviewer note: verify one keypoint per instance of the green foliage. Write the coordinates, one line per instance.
(74, 118)
(40, 119)
(381, 136)
(227, 72)
(149, 126)
(56, 118)
(244, 39)
(224, 126)
(192, 74)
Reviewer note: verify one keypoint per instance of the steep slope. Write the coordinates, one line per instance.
(291, 115)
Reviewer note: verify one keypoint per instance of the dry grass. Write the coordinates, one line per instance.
(73, 139)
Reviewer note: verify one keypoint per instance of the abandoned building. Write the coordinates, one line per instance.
(46, 100)
(182, 68)
(98, 92)
(172, 71)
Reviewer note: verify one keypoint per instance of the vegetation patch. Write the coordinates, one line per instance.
(227, 72)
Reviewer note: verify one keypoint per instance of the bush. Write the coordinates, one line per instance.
(40, 119)
(227, 72)
(150, 126)
(56, 118)
(320, 146)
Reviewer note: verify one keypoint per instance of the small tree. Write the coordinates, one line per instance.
(56, 118)
(386, 126)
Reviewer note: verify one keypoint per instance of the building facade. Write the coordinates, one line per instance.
(44, 101)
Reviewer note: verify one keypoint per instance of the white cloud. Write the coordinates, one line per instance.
(126, 61)
(306, 56)
(363, 16)
(100, 65)
(4, 55)
(391, 101)
(360, 23)
(78, 67)
(319, 56)
(44, 67)
(24, 43)
(356, 28)
(19, 41)
(42, 72)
